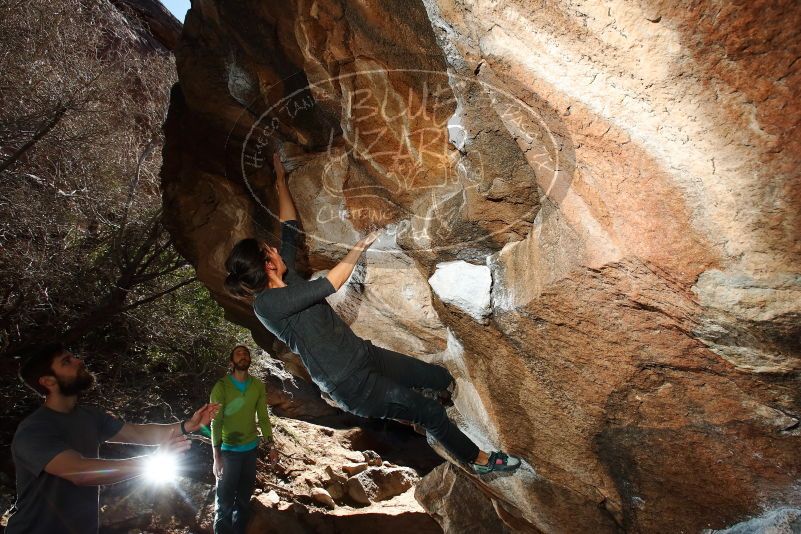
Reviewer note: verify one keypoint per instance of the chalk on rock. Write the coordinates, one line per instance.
(779, 521)
(465, 286)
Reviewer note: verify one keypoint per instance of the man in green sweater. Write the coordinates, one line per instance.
(235, 441)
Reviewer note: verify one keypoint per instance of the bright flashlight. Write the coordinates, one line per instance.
(161, 468)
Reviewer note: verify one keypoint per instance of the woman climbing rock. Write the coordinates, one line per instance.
(364, 379)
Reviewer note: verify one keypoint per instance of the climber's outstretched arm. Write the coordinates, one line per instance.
(286, 207)
(340, 273)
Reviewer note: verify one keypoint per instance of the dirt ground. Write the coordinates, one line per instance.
(309, 452)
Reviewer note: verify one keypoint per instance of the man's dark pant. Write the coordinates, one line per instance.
(234, 489)
(385, 391)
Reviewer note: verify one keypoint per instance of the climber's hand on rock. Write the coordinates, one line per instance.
(364, 243)
(340, 273)
(202, 417)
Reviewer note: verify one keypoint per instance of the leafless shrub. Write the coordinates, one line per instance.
(82, 244)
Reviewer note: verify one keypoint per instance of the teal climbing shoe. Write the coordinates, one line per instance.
(498, 462)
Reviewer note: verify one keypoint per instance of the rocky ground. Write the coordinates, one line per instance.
(337, 474)
(323, 482)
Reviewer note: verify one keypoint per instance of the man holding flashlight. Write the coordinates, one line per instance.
(55, 449)
(235, 442)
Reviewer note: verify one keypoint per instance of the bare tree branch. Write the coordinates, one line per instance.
(158, 295)
(40, 133)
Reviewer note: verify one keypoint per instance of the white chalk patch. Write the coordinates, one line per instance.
(465, 286)
(774, 521)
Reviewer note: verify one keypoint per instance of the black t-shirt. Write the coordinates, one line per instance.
(299, 316)
(46, 503)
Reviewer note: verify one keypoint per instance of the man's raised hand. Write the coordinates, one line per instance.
(202, 417)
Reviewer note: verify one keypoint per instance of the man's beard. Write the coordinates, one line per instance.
(242, 366)
(85, 380)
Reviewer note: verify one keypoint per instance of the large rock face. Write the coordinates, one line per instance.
(627, 172)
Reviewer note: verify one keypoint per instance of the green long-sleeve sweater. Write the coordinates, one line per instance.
(235, 422)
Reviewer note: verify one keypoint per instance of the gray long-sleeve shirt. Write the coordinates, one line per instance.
(299, 316)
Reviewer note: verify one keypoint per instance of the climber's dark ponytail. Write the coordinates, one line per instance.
(245, 266)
